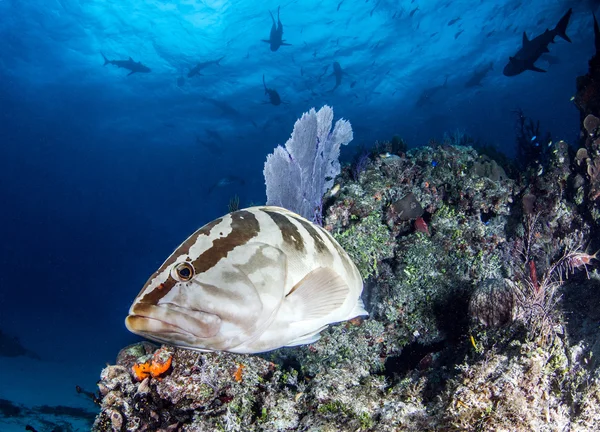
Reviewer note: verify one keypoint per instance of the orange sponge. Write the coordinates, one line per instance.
(156, 367)
(161, 362)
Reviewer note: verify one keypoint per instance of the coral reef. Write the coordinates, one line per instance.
(531, 143)
(454, 340)
(587, 101)
(587, 98)
(587, 161)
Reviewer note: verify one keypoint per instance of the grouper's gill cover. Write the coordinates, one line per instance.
(251, 281)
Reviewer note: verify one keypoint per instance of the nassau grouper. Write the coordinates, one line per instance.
(251, 281)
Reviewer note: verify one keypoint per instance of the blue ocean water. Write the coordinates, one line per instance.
(103, 173)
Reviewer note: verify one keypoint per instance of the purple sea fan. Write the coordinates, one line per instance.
(298, 175)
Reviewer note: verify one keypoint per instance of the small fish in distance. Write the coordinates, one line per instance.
(225, 181)
(251, 281)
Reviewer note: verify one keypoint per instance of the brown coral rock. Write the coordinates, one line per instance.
(492, 303)
(591, 124)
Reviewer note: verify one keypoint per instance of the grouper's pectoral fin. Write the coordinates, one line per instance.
(321, 292)
(131, 73)
(307, 339)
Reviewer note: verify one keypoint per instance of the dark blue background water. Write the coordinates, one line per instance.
(102, 174)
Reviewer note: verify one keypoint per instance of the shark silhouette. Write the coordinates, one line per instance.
(202, 65)
(128, 64)
(338, 73)
(533, 49)
(274, 98)
(427, 94)
(478, 75)
(10, 346)
(213, 146)
(276, 37)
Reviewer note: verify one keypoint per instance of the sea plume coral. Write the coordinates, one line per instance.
(536, 291)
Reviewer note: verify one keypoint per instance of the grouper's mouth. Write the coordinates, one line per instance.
(154, 327)
(171, 323)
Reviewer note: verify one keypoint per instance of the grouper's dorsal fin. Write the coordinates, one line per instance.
(525, 39)
(130, 59)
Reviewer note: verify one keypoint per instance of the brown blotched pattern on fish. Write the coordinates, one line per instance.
(289, 231)
(251, 281)
(244, 227)
(311, 229)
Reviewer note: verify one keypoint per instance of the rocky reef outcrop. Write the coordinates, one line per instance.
(473, 283)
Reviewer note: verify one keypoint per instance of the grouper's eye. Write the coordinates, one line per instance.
(183, 272)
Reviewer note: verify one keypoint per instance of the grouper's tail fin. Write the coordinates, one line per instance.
(106, 61)
(561, 27)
